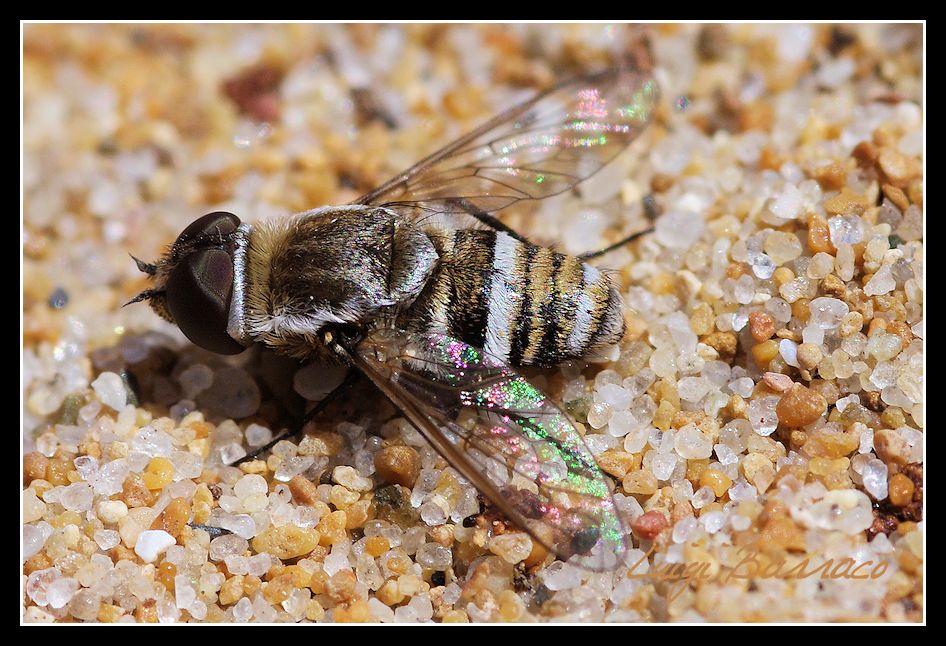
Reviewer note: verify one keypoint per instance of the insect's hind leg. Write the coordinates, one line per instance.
(651, 212)
(619, 243)
(488, 219)
(296, 429)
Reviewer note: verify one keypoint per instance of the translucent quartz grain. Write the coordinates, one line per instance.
(846, 230)
(692, 444)
(881, 282)
(434, 556)
(874, 477)
(195, 379)
(257, 435)
(111, 390)
(762, 415)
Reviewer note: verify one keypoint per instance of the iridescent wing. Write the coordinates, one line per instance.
(504, 436)
(535, 150)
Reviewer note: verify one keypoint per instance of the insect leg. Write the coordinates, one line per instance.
(651, 211)
(308, 417)
(619, 243)
(487, 219)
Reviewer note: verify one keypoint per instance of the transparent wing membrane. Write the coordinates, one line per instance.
(505, 436)
(540, 148)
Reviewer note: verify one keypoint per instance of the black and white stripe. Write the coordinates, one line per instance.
(523, 304)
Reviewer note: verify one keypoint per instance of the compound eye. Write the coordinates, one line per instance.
(198, 295)
(218, 223)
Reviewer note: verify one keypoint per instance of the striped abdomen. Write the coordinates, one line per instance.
(524, 304)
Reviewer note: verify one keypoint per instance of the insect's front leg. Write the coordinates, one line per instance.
(296, 428)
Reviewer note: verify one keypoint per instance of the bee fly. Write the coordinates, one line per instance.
(439, 316)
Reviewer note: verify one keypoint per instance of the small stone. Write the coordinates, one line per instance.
(820, 266)
(259, 564)
(195, 379)
(432, 513)
(692, 389)
(184, 592)
(759, 471)
(34, 467)
(782, 247)
(111, 511)
(663, 464)
(786, 205)
(111, 390)
(899, 169)
(780, 533)
(231, 452)
(819, 236)
(809, 355)
(152, 442)
(883, 346)
(151, 543)
(702, 497)
(800, 406)
(684, 529)
(777, 381)
(882, 282)
(900, 489)
(640, 482)
(911, 227)
(846, 230)
(257, 435)
(725, 343)
(228, 545)
(286, 542)
(763, 415)
(106, 539)
(232, 589)
(512, 547)
(76, 497)
(788, 350)
(348, 477)
(397, 465)
(61, 591)
(242, 525)
(648, 525)
(250, 485)
(304, 491)
(616, 397)
(827, 313)
(159, 473)
(831, 177)
(679, 229)
(692, 444)
(341, 586)
(851, 323)
(33, 507)
(316, 380)
(433, 556)
(725, 454)
(763, 353)
(761, 325)
(617, 463)
(847, 202)
(243, 610)
(874, 477)
(233, 394)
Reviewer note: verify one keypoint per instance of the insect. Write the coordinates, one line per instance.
(439, 317)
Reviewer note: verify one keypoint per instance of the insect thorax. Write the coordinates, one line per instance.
(345, 265)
